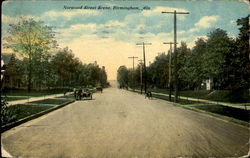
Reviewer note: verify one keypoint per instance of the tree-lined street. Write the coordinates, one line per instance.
(118, 123)
(56, 55)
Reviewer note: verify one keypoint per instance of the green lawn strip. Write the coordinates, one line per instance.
(193, 106)
(206, 101)
(15, 98)
(50, 101)
(43, 104)
(223, 117)
(26, 112)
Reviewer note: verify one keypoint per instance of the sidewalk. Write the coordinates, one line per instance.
(239, 105)
(30, 99)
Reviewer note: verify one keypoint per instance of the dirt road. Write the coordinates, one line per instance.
(121, 124)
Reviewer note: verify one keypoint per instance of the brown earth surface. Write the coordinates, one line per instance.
(121, 124)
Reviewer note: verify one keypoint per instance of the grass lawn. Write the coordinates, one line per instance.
(195, 94)
(17, 112)
(217, 95)
(237, 113)
(51, 101)
(13, 98)
(32, 93)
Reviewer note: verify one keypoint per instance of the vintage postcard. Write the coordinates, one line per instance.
(125, 79)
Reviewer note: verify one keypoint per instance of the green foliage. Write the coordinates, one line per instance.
(13, 72)
(64, 65)
(16, 112)
(182, 59)
(242, 57)
(7, 115)
(31, 39)
(52, 102)
(122, 76)
(70, 71)
(158, 71)
(103, 77)
(28, 37)
(223, 60)
(194, 72)
(43, 65)
(62, 69)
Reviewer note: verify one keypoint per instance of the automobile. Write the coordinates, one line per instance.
(86, 93)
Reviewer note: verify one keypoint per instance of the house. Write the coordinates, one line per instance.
(208, 83)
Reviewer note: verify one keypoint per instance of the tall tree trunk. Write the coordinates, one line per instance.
(29, 75)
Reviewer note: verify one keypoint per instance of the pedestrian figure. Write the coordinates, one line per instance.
(148, 94)
(79, 94)
(101, 89)
(75, 93)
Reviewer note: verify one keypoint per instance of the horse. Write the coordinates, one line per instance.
(99, 89)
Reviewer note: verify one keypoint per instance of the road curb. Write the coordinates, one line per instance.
(218, 116)
(204, 100)
(26, 119)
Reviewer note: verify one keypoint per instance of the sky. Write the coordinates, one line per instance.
(107, 31)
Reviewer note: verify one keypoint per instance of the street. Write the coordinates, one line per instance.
(121, 124)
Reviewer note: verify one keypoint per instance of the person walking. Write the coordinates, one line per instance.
(74, 90)
(79, 94)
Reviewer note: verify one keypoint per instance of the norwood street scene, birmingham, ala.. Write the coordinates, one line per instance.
(125, 79)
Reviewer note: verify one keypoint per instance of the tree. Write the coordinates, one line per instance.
(13, 72)
(103, 77)
(240, 63)
(158, 71)
(138, 75)
(218, 47)
(182, 54)
(244, 51)
(29, 37)
(64, 64)
(194, 72)
(122, 76)
(93, 74)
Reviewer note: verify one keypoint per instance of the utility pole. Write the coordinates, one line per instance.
(141, 73)
(169, 68)
(175, 54)
(133, 80)
(145, 71)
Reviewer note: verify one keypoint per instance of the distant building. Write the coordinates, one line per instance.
(2, 70)
(5, 59)
(208, 83)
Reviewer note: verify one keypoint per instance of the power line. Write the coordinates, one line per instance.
(133, 80)
(169, 69)
(144, 58)
(140, 61)
(175, 54)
